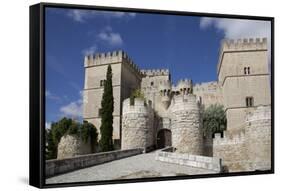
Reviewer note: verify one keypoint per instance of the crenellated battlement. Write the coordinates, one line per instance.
(206, 86)
(164, 85)
(189, 100)
(184, 86)
(138, 105)
(240, 45)
(156, 72)
(244, 44)
(110, 58)
(229, 139)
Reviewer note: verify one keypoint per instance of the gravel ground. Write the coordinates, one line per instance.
(139, 166)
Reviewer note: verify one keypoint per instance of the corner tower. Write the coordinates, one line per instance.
(243, 73)
(125, 78)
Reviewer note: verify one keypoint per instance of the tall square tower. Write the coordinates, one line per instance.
(243, 73)
(125, 78)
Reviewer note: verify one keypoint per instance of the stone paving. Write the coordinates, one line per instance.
(139, 166)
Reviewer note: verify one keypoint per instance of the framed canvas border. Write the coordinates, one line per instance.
(37, 94)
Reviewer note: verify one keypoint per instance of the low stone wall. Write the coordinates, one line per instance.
(250, 148)
(232, 150)
(196, 161)
(59, 166)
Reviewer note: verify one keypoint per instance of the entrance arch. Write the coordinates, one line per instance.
(164, 138)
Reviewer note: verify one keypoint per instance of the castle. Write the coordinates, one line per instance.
(171, 115)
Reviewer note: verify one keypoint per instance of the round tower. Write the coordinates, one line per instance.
(258, 142)
(165, 93)
(187, 134)
(137, 124)
(184, 87)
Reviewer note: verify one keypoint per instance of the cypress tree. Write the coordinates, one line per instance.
(106, 143)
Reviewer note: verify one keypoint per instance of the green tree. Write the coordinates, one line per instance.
(50, 145)
(106, 142)
(53, 136)
(137, 93)
(214, 119)
(87, 131)
(67, 126)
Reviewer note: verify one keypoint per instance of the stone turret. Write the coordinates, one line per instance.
(258, 131)
(137, 124)
(183, 87)
(187, 135)
(165, 93)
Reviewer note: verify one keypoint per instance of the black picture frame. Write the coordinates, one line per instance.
(37, 94)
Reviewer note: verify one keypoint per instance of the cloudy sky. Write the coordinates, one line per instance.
(187, 46)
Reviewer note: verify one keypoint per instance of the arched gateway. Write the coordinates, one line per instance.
(164, 138)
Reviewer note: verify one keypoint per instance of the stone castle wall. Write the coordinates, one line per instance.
(246, 143)
(258, 131)
(186, 127)
(209, 93)
(137, 125)
(249, 149)
(232, 150)
(70, 146)
(150, 84)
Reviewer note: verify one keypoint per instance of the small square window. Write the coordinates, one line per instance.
(249, 101)
(246, 70)
(102, 82)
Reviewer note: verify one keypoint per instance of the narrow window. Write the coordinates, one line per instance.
(248, 70)
(151, 83)
(102, 82)
(249, 101)
(245, 70)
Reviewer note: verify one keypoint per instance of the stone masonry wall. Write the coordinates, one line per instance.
(232, 150)
(209, 93)
(249, 149)
(137, 125)
(70, 146)
(186, 125)
(258, 130)
(210, 163)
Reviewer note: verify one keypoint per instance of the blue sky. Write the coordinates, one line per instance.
(187, 46)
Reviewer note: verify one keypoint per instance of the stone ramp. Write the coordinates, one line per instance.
(139, 166)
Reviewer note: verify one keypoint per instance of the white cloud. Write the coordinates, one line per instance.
(112, 38)
(240, 28)
(73, 109)
(47, 125)
(84, 15)
(77, 15)
(52, 96)
(106, 37)
(91, 50)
